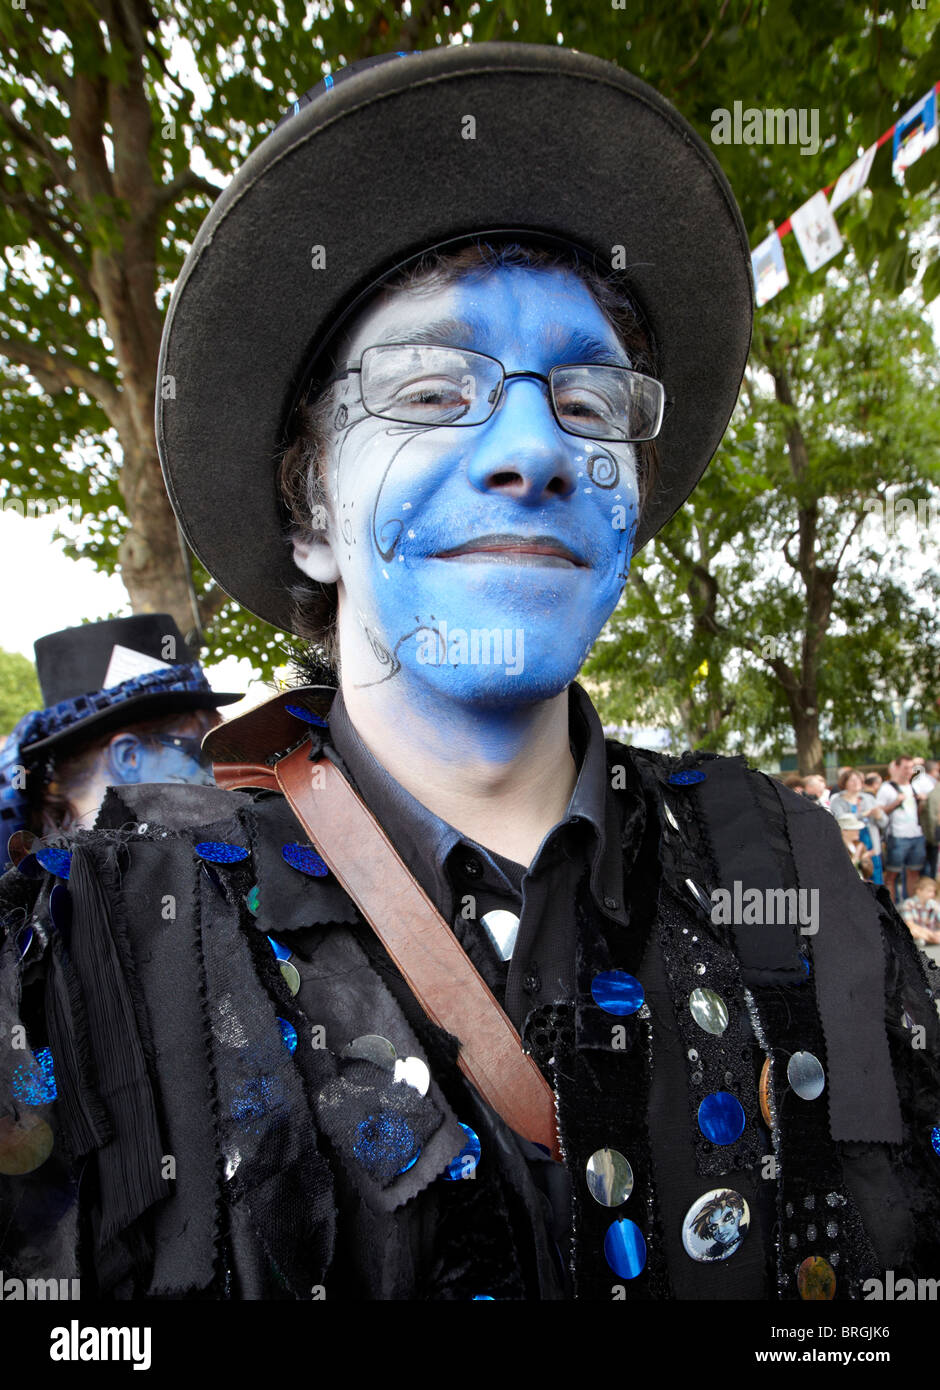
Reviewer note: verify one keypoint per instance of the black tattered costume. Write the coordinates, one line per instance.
(160, 997)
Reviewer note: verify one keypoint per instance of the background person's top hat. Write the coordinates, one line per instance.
(97, 678)
(374, 166)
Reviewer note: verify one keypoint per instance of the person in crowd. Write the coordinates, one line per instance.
(873, 782)
(125, 702)
(922, 912)
(905, 847)
(794, 781)
(860, 854)
(852, 799)
(925, 781)
(815, 789)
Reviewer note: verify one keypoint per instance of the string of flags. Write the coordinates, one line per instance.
(814, 225)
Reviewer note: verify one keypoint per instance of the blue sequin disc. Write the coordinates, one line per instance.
(935, 1139)
(465, 1163)
(687, 778)
(625, 1248)
(253, 900)
(217, 852)
(307, 715)
(34, 1081)
(807, 968)
(280, 951)
(57, 861)
(288, 1034)
(28, 866)
(386, 1145)
(305, 859)
(616, 992)
(60, 907)
(483, 1298)
(721, 1117)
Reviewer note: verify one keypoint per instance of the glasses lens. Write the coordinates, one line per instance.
(607, 402)
(429, 385)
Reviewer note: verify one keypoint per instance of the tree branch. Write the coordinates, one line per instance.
(38, 143)
(167, 194)
(56, 373)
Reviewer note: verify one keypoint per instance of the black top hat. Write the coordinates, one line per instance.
(104, 675)
(372, 167)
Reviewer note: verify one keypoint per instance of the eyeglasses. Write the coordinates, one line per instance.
(416, 384)
(191, 747)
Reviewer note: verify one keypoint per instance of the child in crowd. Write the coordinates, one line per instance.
(922, 912)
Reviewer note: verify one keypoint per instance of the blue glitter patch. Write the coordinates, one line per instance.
(280, 951)
(935, 1139)
(687, 778)
(305, 859)
(288, 1034)
(617, 993)
(307, 715)
(217, 852)
(256, 1098)
(34, 1081)
(465, 1163)
(721, 1117)
(386, 1144)
(57, 861)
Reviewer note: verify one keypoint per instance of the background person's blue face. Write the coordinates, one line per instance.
(403, 495)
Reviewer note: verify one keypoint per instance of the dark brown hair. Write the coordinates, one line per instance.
(300, 475)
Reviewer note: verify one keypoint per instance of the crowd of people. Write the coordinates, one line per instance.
(889, 823)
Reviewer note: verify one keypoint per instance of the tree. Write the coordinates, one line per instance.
(111, 161)
(19, 690)
(778, 596)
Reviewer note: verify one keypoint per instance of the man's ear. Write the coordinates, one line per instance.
(314, 555)
(124, 759)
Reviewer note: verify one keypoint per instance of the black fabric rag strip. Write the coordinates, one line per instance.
(129, 1166)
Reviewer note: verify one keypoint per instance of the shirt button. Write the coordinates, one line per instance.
(532, 982)
(610, 902)
(472, 866)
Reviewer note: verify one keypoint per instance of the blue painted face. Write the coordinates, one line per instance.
(133, 759)
(493, 628)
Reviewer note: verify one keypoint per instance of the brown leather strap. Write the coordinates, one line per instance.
(231, 776)
(419, 941)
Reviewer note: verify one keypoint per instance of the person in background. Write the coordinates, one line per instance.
(794, 781)
(925, 782)
(851, 799)
(873, 782)
(859, 852)
(905, 847)
(921, 912)
(124, 702)
(815, 788)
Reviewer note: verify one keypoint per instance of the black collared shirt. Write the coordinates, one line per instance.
(465, 880)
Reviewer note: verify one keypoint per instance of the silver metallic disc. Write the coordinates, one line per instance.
(414, 1073)
(805, 1075)
(372, 1047)
(609, 1177)
(502, 928)
(709, 1011)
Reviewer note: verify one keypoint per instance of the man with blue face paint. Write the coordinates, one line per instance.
(455, 1017)
(124, 703)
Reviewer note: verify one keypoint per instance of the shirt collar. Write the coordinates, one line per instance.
(424, 841)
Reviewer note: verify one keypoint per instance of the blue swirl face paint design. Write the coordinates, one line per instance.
(401, 495)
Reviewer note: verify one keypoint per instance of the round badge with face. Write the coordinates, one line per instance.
(715, 1225)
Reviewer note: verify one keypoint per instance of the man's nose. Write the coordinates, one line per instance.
(521, 451)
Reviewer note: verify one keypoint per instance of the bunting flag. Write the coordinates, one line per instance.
(813, 224)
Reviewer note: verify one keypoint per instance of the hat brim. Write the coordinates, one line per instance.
(377, 170)
(126, 714)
